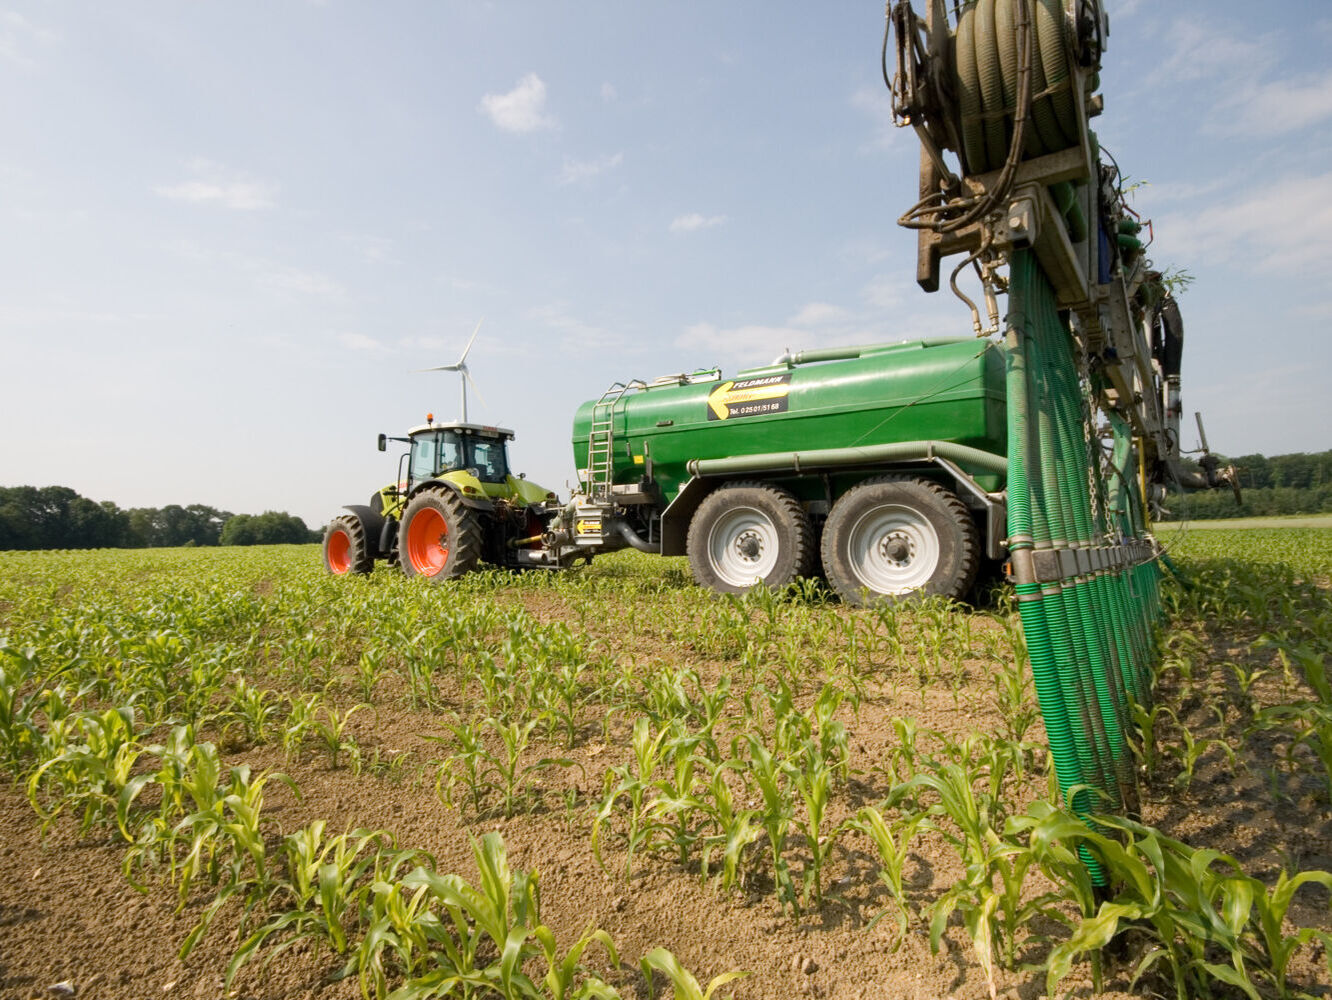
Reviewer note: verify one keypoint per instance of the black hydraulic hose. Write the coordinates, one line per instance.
(623, 530)
(925, 213)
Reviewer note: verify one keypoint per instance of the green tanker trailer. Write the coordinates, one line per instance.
(882, 465)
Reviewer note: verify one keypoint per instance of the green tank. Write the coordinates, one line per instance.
(881, 468)
(940, 391)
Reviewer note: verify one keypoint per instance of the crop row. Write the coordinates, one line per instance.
(734, 764)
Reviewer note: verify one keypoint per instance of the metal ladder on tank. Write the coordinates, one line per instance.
(601, 440)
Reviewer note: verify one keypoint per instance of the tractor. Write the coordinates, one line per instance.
(454, 503)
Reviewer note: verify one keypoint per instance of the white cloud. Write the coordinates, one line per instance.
(360, 342)
(608, 92)
(292, 279)
(877, 104)
(1284, 226)
(17, 37)
(751, 344)
(694, 221)
(576, 333)
(522, 109)
(884, 292)
(373, 249)
(818, 314)
(1275, 107)
(216, 183)
(1201, 49)
(584, 170)
(1243, 413)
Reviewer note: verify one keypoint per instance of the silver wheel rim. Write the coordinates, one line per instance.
(742, 547)
(893, 549)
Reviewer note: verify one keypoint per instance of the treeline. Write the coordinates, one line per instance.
(1299, 483)
(1269, 502)
(1300, 471)
(56, 517)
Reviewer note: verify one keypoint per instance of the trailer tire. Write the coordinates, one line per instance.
(893, 537)
(745, 533)
(439, 538)
(346, 548)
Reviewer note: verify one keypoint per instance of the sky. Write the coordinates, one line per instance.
(232, 232)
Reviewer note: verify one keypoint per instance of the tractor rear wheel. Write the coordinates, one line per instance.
(439, 538)
(748, 533)
(894, 537)
(346, 549)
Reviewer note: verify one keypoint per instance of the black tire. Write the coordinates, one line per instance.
(896, 537)
(439, 537)
(346, 549)
(744, 533)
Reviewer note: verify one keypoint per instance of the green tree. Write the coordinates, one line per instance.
(269, 528)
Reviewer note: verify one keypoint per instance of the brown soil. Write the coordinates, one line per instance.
(68, 916)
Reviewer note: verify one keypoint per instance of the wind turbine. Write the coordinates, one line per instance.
(460, 366)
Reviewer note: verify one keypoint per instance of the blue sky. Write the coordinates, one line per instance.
(233, 230)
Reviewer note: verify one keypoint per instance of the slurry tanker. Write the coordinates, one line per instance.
(891, 469)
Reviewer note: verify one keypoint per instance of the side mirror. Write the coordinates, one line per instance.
(383, 442)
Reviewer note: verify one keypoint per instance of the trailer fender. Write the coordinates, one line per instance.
(676, 517)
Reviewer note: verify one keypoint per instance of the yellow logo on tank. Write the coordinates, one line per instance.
(749, 397)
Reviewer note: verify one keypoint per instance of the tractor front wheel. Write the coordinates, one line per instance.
(439, 537)
(346, 549)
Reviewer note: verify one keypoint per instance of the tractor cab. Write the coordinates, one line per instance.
(438, 449)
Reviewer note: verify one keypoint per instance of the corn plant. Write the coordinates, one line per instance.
(92, 774)
(1270, 906)
(369, 668)
(831, 734)
(320, 895)
(330, 731)
(1191, 750)
(1017, 707)
(499, 914)
(685, 985)
(669, 822)
(227, 846)
(736, 828)
(892, 843)
(562, 698)
(251, 708)
(18, 733)
(465, 765)
(510, 775)
(634, 781)
(813, 778)
(774, 780)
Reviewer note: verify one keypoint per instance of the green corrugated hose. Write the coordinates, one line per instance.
(1090, 629)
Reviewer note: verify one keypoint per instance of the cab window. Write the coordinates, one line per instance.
(488, 458)
(425, 450)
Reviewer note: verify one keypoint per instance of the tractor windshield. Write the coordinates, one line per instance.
(434, 453)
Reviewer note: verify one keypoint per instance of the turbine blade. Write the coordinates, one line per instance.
(472, 341)
(439, 368)
(475, 388)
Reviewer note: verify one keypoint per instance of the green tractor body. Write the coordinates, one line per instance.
(455, 503)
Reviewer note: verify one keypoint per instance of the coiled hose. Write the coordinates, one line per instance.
(985, 68)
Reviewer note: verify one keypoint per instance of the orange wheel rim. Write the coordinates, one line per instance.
(339, 552)
(428, 542)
